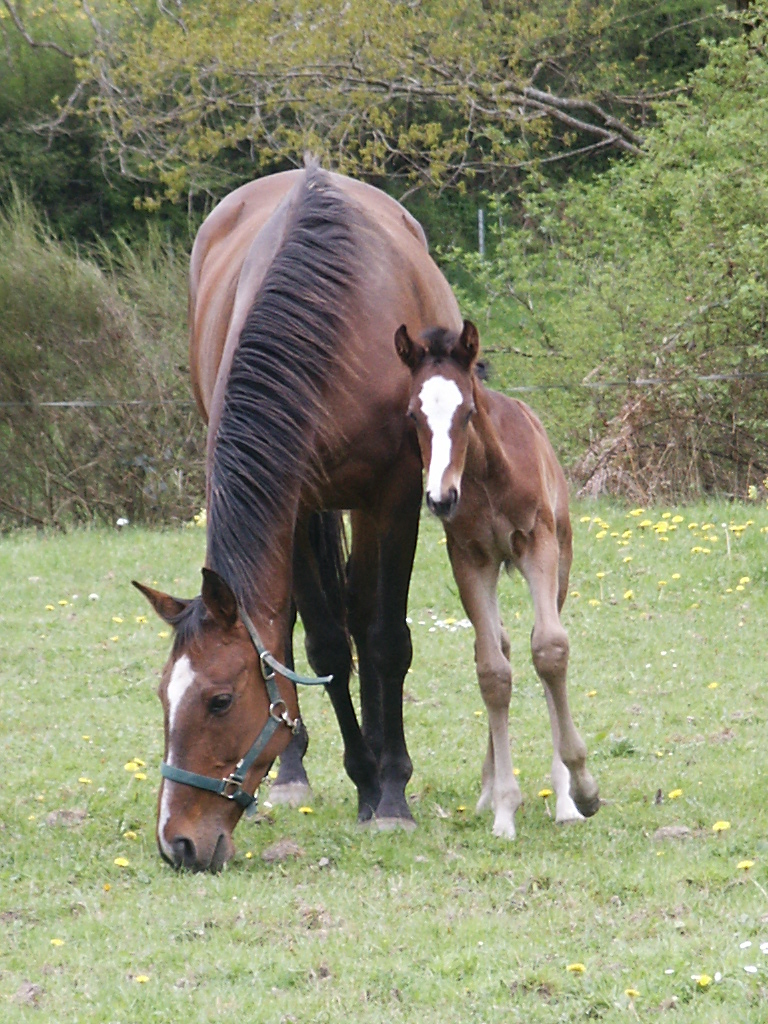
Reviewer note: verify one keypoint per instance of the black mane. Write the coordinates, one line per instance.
(275, 394)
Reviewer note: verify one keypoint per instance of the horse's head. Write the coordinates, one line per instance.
(218, 712)
(441, 406)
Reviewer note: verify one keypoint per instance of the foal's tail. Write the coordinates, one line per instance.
(328, 540)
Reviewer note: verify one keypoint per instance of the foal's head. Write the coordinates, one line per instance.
(215, 703)
(442, 405)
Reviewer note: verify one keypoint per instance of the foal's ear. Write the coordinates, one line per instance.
(219, 600)
(411, 352)
(167, 607)
(466, 348)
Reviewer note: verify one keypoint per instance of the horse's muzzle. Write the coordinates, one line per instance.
(184, 855)
(445, 508)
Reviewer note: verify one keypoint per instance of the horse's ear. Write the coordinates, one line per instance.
(409, 351)
(466, 348)
(167, 607)
(219, 600)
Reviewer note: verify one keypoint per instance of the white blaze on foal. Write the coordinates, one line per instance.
(440, 398)
(181, 679)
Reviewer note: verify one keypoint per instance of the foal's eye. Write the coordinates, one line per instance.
(220, 703)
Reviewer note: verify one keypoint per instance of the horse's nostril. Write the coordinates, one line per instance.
(184, 852)
(445, 507)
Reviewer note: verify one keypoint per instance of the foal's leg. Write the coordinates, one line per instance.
(478, 591)
(538, 557)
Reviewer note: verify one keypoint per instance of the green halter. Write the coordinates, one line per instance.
(231, 787)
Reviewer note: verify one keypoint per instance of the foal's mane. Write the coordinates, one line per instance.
(276, 393)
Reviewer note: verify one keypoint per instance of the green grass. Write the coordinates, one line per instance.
(448, 924)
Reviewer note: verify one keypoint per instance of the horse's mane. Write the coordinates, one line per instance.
(274, 399)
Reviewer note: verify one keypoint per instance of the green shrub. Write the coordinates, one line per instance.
(114, 341)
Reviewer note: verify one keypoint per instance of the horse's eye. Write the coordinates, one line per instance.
(220, 703)
(411, 415)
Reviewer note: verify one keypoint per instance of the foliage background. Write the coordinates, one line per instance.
(615, 148)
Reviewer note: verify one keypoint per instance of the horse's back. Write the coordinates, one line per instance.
(237, 243)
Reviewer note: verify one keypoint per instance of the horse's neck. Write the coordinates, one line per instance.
(486, 460)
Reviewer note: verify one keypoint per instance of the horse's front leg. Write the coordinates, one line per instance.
(387, 650)
(538, 558)
(478, 591)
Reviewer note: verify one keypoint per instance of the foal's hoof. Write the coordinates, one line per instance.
(292, 794)
(589, 804)
(391, 824)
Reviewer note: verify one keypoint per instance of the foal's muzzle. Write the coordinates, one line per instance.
(445, 507)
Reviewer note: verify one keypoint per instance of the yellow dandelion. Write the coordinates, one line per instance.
(703, 981)
(677, 519)
(442, 541)
(139, 762)
(721, 826)
(666, 515)
(122, 862)
(306, 810)
(273, 774)
(545, 793)
(515, 771)
(107, 887)
(57, 942)
(575, 593)
(141, 619)
(628, 595)
(63, 603)
(591, 693)
(745, 865)
(631, 993)
(130, 834)
(585, 519)
(627, 558)
(141, 979)
(594, 602)
(712, 686)
(85, 780)
(117, 620)
(675, 794)
(477, 714)
(636, 512)
(50, 608)
(600, 534)
(645, 523)
(576, 968)
(693, 526)
(600, 575)
(744, 579)
(130, 766)
(675, 575)
(461, 808)
(140, 776)
(163, 634)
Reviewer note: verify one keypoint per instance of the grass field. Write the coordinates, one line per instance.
(608, 920)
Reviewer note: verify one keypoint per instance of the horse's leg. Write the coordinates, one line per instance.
(328, 652)
(478, 591)
(389, 649)
(538, 558)
(292, 785)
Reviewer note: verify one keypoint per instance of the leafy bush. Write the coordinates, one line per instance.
(114, 341)
(650, 284)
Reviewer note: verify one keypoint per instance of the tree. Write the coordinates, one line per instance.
(194, 97)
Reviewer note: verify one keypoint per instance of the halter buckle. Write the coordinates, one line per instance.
(236, 787)
(294, 724)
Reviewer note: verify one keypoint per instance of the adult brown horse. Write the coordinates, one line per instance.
(297, 284)
(494, 481)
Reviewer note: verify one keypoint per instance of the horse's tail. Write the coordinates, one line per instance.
(328, 540)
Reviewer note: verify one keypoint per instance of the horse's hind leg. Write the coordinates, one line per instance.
(538, 558)
(478, 591)
(292, 785)
(328, 651)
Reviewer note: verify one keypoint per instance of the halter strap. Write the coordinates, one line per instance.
(231, 787)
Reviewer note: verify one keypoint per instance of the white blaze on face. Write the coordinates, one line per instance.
(440, 398)
(181, 679)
